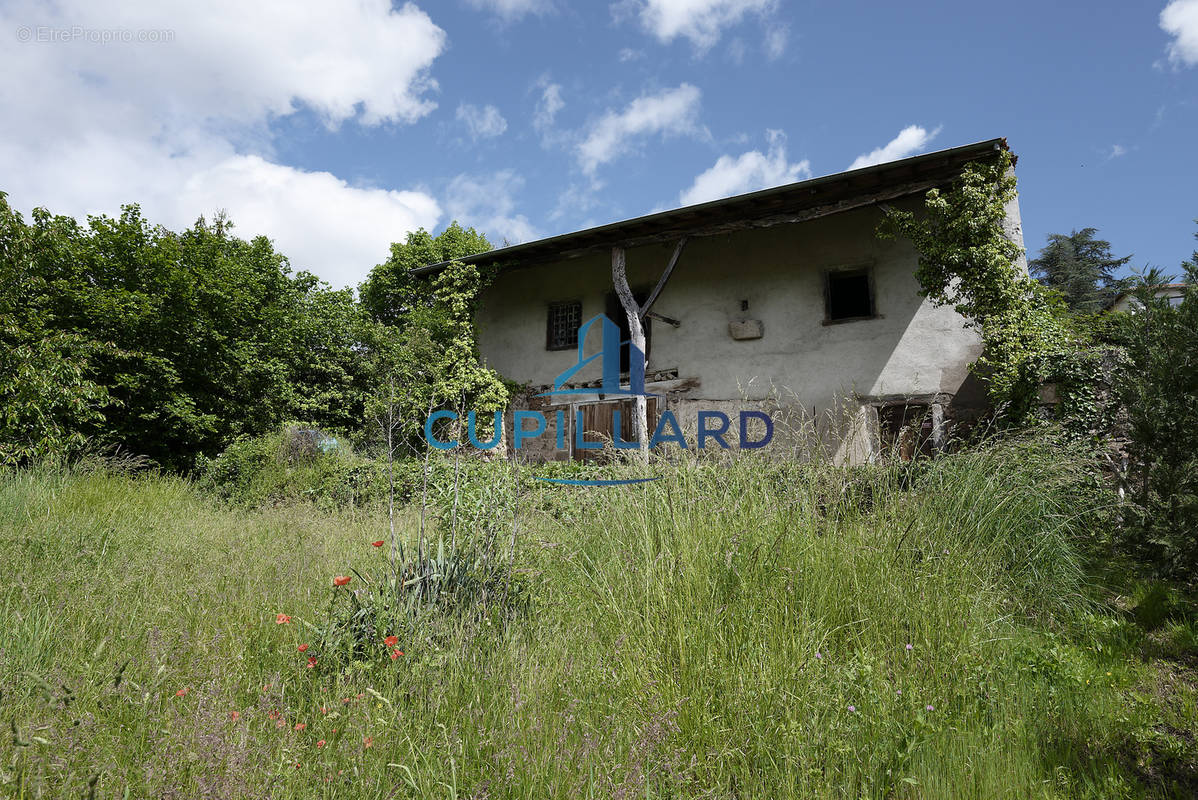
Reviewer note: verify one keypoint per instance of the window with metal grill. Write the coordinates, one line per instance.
(562, 330)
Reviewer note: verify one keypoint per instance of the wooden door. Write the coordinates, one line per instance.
(598, 424)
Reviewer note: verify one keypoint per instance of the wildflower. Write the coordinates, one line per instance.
(311, 662)
(818, 654)
(931, 707)
(182, 692)
(900, 691)
(282, 619)
(266, 688)
(297, 765)
(302, 648)
(274, 714)
(299, 726)
(396, 653)
(320, 743)
(379, 543)
(361, 695)
(346, 700)
(234, 715)
(323, 710)
(853, 709)
(367, 741)
(340, 580)
(280, 723)
(910, 647)
(391, 641)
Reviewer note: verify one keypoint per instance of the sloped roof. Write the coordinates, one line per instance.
(793, 202)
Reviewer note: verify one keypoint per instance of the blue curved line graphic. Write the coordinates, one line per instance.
(567, 482)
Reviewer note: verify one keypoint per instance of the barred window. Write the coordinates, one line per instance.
(564, 320)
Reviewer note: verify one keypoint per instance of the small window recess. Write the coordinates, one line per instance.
(848, 296)
(561, 331)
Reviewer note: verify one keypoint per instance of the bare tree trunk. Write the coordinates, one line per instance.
(636, 336)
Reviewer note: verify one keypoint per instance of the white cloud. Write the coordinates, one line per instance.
(486, 202)
(547, 107)
(513, 9)
(776, 38)
(483, 122)
(700, 21)
(671, 112)
(628, 54)
(910, 141)
(181, 125)
(1116, 151)
(747, 172)
(1179, 19)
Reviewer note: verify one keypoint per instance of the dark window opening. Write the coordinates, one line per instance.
(615, 312)
(849, 296)
(564, 321)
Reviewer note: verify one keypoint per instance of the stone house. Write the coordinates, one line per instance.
(783, 299)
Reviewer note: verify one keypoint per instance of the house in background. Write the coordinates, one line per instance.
(782, 300)
(1127, 301)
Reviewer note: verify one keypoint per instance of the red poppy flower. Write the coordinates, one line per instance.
(379, 543)
(181, 692)
(282, 619)
(311, 662)
(320, 743)
(391, 641)
(299, 726)
(234, 715)
(367, 741)
(302, 647)
(395, 654)
(340, 580)
(273, 714)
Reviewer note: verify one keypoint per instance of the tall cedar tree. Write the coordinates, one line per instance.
(1081, 268)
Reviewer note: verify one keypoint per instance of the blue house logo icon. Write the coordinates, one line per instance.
(609, 360)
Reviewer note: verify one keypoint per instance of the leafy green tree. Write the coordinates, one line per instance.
(1159, 390)
(1080, 267)
(391, 291)
(170, 344)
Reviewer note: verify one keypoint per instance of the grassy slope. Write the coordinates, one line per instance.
(671, 651)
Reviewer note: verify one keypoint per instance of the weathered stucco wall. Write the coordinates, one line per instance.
(911, 348)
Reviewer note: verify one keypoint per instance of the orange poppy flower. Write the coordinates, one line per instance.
(282, 619)
(302, 647)
(391, 641)
(340, 580)
(379, 543)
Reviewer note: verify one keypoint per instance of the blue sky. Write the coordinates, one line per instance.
(335, 128)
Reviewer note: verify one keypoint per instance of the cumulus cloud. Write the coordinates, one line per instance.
(747, 172)
(182, 124)
(1180, 20)
(482, 122)
(487, 202)
(910, 141)
(513, 9)
(671, 112)
(700, 21)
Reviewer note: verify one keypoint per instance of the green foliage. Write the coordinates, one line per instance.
(262, 470)
(170, 345)
(672, 652)
(391, 292)
(1158, 387)
(1080, 267)
(967, 260)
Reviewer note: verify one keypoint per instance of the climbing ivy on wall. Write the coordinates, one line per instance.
(966, 260)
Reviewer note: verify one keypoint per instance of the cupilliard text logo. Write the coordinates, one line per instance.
(712, 425)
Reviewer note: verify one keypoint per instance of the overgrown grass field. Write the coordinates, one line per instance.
(741, 630)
